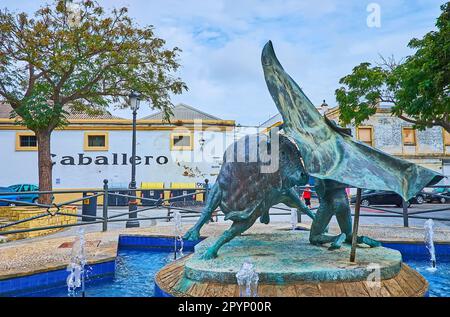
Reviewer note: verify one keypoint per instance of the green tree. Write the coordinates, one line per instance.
(78, 57)
(417, 88)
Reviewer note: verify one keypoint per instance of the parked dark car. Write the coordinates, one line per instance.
(436, 195)
(376, 197)
(420, 198)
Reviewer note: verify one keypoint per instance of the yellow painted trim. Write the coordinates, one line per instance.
(372, 136)
(86, 146)
(141, 121)
(174, 147)
(403, 136)
(438, 156)
(196, 121)
(415, 140)
(277, 124)
(336, 111)
(332, 112)
(198, 197)
(146, 185)
(25, 148)
(129, 122)
(183, 185)
(445, 138)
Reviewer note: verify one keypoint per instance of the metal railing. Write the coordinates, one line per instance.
(55, 209)
(406, 215)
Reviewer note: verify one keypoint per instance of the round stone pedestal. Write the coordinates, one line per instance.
(288, 265)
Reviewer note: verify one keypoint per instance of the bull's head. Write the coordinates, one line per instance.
(292, 171)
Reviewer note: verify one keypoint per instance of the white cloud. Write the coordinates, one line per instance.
(318, 42)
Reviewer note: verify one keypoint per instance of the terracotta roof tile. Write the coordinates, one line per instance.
(5, 111)
(183, 112)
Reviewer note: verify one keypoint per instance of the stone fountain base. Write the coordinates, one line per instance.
(288, 265)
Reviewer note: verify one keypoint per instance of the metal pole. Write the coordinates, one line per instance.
(105, 205)
(175, 252)
(83, 289)
(206, 190)
(405, 214)
(355, 225)
(168, 213)
(132, 202)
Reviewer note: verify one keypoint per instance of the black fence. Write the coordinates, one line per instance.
(406, 212)
(179, 202)
(111, 197)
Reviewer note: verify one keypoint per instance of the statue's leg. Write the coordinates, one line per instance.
(319, 226)
(369, 241)
(344, 218)
(236, 229)
(213, 201)
(294, 201)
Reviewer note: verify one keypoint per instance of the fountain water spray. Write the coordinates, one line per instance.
(429, 242)
(294, 218)
(178, 233)
(76, 278)
(247, 279)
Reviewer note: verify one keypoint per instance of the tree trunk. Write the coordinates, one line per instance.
(45, 165)
(446, 126)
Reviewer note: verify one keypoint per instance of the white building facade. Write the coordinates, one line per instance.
(189, 149)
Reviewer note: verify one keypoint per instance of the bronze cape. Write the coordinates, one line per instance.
(328, 152)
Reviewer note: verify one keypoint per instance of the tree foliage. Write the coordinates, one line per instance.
(417, 88)
(83, 58)
(77, 57)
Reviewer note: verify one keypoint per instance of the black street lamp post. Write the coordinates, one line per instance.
(132, 202)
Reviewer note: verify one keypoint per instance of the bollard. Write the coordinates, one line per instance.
(206, 190)
(89, 207)
(105, 205)
(405, 214)
(168, 213)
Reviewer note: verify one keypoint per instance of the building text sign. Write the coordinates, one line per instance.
(114, 159)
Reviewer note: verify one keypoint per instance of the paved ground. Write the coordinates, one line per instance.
(369, 217)
(44, 253)
(31, 256)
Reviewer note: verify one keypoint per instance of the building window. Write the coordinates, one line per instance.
(26, 141)
(365, 134)
(409, 136)
(181, 142)
(446, 138)
(96, 141)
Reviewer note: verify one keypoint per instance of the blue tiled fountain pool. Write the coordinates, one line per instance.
(417, 257)
(439, 280)
(137, 264)
(130, 275)
(135, 272)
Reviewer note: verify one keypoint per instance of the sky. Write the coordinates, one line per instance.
(317, 42)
